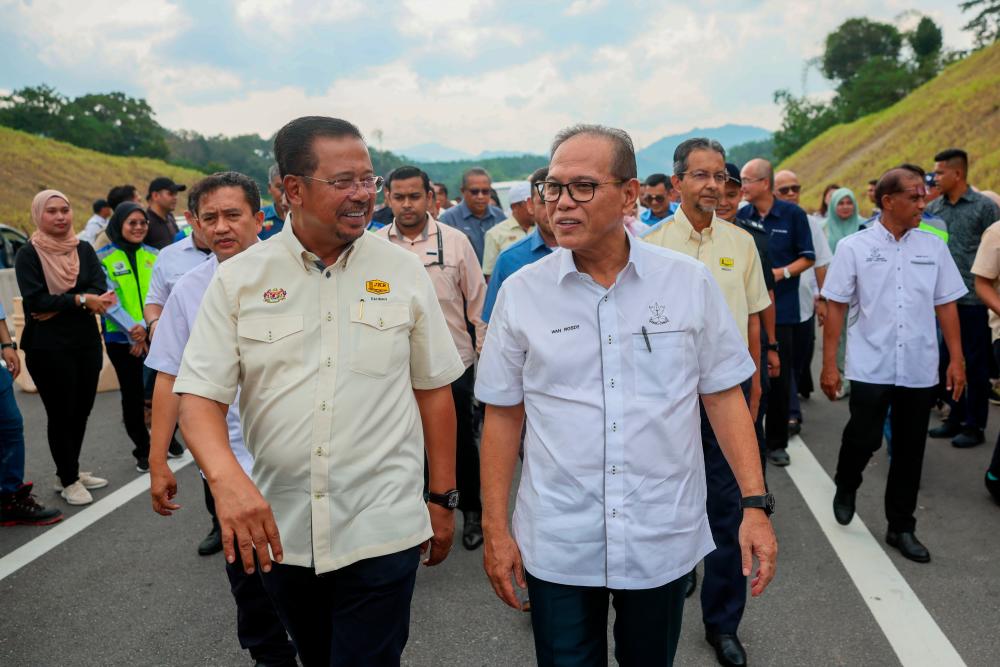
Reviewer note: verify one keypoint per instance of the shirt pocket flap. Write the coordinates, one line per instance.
(381, 316)
(269, 329)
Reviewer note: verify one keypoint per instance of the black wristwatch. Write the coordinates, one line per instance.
(764, 502)
(773, 347)
(447, 500)
(12, 345)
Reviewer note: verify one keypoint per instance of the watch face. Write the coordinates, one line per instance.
(769, 503)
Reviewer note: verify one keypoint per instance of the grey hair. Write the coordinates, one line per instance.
(474, 171)
(685, 148)
(273, 173)
(623, 159)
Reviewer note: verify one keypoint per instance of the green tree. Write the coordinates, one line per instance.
(879, 83)
(115, 123)
(985, 25)
(802, 120)
(856, 42)
(33, 109)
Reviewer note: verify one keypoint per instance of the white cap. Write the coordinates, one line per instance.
(519, 192)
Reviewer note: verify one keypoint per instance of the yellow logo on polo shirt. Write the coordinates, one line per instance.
(377, 287)
(726, 262)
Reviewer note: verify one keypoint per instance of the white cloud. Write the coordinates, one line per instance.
(580, 7)
(285, 17)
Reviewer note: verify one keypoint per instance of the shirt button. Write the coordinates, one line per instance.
(329, 317)
(612, 383)
(322, 405)
(328, 274)
(614, 426)
(609, 340)
(319, 451)
(328, 362)
(319, 496)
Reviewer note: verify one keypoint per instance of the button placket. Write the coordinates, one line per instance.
(611, 363)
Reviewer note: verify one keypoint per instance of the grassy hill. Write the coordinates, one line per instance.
(29, 163)
(959, 108)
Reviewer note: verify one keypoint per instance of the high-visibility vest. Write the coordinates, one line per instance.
(131, 291)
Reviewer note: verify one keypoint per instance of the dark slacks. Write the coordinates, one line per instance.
(776, 425)
(67, 385)
(129, 370)
(973, 406)
(467, 453)
(911, 411)
(995, 462)
(358, 615)
(257, 624)
(803, 346)
(570, 624)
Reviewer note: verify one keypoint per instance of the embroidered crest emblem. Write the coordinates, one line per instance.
(275, 295)
(875, 256)
(377, 287)
(658, 317)
(726, 262)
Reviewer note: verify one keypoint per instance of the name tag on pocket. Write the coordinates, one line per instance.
(923, 262)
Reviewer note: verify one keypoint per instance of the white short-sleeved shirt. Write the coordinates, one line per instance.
(172, 333)
(173, 262)
(808, 287)
(326, 359)
(892, 288)
(612, 489)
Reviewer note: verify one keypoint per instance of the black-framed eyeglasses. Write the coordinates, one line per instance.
(371, 184)
(579, 191)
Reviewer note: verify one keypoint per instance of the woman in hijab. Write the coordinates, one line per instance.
(128, 265)
(842, 220)
(63, 287)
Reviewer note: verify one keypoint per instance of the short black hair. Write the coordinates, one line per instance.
(916, 169)
(658, 179)
(954, 156)
(874, 181)
(120, 193)
(444, 188)
(225, 179)
(293, 144)
(100, 205)
(537, 176)
(892, 182)
(406, 172)
(474, 171)
(685, 148)
(623, 156)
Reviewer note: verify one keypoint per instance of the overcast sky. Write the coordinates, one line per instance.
(472, 74)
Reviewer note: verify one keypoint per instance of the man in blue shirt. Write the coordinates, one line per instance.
(475, 215)
(658, 199)
(531, 248)
(274, 214)
(791, 252)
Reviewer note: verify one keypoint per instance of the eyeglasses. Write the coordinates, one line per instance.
(476, 192)
(371, 184)
(789, 189)
(659, 199)
(579, 191)
(703, 176)
(138, 223)
(753, 180)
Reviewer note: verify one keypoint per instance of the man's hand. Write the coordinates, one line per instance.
(137, 333)
(829, 381)
(779, 274)
(954, 378)
(757, 539)
(12, 361)
(162, 488)
(246, 518)
(443, 524)
(43, 317)
(138, 349)
(773, 364)
(501, 560)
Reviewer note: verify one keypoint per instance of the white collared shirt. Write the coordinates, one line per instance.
(808, 285)
(172, 333)
(612, 489)
(892, 288)
(173, 262)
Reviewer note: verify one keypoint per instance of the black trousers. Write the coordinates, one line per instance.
(67, 385)
(467, 452)
(570, 624)
(129, 370)
(803, 347)
(995, 462)
(776, 425)
(973, 406)
(358, 615)
(911, 411)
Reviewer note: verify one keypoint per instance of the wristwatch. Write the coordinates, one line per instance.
(773, 347)
(447, 500)
(8, 346)
(82, 300)
(764, 502)
(785, 272)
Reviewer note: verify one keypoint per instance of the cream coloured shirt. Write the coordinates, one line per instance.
(499, 238)
(327, 359)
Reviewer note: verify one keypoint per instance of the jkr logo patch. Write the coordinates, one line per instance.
(377, 287)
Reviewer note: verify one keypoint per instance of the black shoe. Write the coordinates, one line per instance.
(176, 450)
(472, 530)
(794, 427)
(142, 464)
(729, 650)
(947, 429)
(690, 583)
(993, 486)
(212, 544)
(778, 457)
(909, 546)
(843, 506)
(969, 437)
(21, 509)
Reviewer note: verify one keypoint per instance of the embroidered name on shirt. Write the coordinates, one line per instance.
(275, 295)
(377, 287)
(572, 327)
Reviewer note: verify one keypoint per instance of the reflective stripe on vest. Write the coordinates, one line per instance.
(940, 233)
(131, 295)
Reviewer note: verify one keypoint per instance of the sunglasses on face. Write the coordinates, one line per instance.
(659, 199)
(476, 192)
(789, 189)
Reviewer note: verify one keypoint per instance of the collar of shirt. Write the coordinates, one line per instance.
(309, 260)
(492, 213)
(430, 229)
(683, 228)
(567, 265)
(535, 240)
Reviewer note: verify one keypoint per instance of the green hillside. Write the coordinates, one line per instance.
(959, 108)
(29, 163)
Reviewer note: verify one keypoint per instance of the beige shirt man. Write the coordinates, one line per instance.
(986, 269)
(458, 282)
(315, 349)
(730, 255)
(499, 238)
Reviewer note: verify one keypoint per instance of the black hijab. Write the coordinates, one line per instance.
(117, 221)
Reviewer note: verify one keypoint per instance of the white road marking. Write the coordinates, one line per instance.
(67, 528)
(906, 623)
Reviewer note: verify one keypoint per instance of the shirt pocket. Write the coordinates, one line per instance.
(271, 350)
(380, 337)
(661, 365)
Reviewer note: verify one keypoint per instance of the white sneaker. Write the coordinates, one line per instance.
(89, 481)
(77, 494)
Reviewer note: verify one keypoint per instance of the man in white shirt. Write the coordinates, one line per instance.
(226, 211)
(97, 223)
(612, 496)
(895, 278)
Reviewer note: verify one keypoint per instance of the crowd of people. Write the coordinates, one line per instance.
(348, 375)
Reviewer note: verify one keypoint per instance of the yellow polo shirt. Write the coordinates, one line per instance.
(728, 252)
(327, 359)
(498, 238)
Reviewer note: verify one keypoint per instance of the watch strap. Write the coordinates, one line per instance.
(764, 502)
(448, 499)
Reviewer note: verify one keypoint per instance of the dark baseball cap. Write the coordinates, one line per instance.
(930, 180)
(733, 173)
(164, 183)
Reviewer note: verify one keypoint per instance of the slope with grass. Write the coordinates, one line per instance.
(959, 108)
(29, 163)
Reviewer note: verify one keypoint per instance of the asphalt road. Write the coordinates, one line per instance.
(131, 590)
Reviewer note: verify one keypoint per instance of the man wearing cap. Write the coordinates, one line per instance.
(162, 200)
(97, 223)
(514, 228)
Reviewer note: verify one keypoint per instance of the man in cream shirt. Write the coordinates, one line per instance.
(344, 364)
